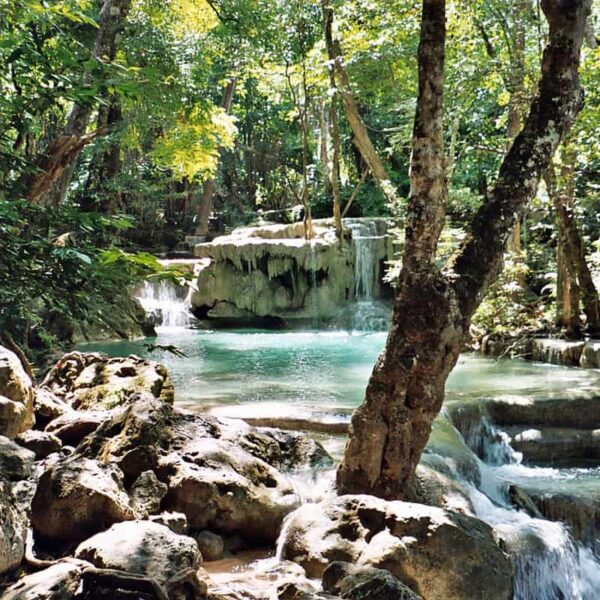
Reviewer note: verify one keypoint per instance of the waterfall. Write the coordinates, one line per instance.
(366, 267)
(165, 303)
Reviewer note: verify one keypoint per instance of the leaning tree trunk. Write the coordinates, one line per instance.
(55, 168)
(362, 140)
(434, 308)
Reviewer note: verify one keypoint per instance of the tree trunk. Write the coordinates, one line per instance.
(335, 131)
(55, 168)
(205, 206)
(433, 308)
(567, 290)
(563, 197)
(361, 136)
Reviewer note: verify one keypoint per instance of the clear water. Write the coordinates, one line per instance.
(299, 373)
(321, 369)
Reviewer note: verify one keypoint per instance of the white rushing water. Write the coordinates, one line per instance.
(166, 303)
(366, 267)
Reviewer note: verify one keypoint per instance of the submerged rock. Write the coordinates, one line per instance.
(437, 553)
(92, 381)
(16, 395)
(211, 545)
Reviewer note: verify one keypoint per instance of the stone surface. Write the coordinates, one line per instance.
(72, 427)
(41, 443)
(590, 357)
(58, 582)
(149, 549)
(13, 528)
(95, 381)
(437, 553)
(272, 272)
(16, 462)
(355, 583)
(16, 395)
(176, 522)
(77, 497)
(222, 474)
(146, 494)
(211, 545)
(557, 352)
(556, 445)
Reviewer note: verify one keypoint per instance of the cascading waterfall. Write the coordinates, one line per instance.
(367, 313)
(549, 564)
(366, 269)
(165, 304)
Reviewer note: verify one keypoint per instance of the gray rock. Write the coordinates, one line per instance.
(438, 553)
(13, 528)
(16, 462)
(148, 549)
(146, 494)
(92, 381)
(176, 522)
(41, 443)
(58, 582)
(77, 497)
(73, 426)
(211, 545)
(364, 583)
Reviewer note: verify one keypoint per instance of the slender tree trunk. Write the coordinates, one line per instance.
(362, 140)
(324, 118)
(567, 291)
(335, 131)
(205, 206)
(563, 197)
(433, 308)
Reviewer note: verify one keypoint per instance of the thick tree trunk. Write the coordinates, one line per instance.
(205, 206)
(433, 309)
(55, 169)
(567, 291)
(362, 140)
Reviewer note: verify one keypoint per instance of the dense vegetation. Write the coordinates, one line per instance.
(128, 125)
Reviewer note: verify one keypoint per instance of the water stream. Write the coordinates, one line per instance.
(321, 375)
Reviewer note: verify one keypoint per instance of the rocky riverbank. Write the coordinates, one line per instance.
(110, 491)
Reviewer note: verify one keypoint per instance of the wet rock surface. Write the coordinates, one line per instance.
(438, 554)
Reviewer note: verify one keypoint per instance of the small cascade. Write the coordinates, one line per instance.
(491, 444)
(313, 281)
(366, 269)
(166, 304)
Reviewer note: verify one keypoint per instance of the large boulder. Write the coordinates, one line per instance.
(76, 497)
(13, 528)
(437, 553)
(41, 443)
(16, 395)
(95, 381)
(149, 549)
(222, 474)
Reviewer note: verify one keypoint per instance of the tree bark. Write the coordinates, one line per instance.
(55, 168)
(434, 308)
(335, 131)
(205, 205)
(562, 193)
(362, 140)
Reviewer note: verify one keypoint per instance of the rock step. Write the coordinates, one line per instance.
(556, 445)
(578, 413)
